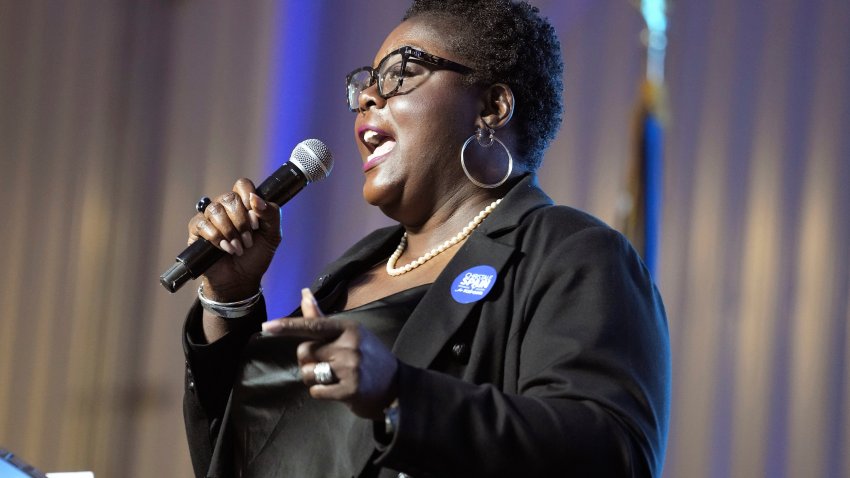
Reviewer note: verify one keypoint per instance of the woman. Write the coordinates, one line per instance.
(490, 333)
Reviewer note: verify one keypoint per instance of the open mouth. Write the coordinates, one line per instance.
(378, 142)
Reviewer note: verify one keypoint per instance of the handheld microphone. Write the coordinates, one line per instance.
(310, 161)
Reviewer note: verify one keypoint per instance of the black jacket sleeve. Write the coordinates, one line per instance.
(210, 372)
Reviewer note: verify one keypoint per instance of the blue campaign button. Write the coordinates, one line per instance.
(473, 284)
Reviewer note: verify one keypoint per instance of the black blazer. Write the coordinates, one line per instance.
(561, 369)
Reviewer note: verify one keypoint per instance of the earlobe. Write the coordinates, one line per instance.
(498, 105)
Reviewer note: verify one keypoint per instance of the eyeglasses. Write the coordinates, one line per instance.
(406, 63)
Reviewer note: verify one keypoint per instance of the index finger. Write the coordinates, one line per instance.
(244, 187)
(315, 328)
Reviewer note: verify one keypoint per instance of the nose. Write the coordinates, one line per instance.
(369, 97)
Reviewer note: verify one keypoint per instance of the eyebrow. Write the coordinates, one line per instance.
(411, 45)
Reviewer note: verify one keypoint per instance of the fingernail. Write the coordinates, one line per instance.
(271, 326)
(255, 220)
(247, 240)
(261, 205)
(308, 294)
(237, 246)
(227, 247)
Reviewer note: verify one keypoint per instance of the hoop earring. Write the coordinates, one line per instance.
(485, 139)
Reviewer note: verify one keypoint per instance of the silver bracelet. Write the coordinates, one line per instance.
(229, 310)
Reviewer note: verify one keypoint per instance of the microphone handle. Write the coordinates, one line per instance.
(278, 188)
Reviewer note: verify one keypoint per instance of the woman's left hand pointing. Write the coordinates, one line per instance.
(363, 370)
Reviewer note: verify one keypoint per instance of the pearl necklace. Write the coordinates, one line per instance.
(473, 224)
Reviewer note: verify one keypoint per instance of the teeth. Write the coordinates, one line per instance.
(371, 137)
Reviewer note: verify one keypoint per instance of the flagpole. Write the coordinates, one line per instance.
(642, 207)
(655, 15)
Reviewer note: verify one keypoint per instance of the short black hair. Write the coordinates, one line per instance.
(508, 42)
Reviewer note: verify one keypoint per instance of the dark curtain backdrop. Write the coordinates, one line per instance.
(116, 115)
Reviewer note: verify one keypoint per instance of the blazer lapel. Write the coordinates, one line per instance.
(377, 245)
(438, 315)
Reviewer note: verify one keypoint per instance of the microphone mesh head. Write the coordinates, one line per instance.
(313, 158)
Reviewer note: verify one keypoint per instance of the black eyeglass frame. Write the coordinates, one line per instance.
(406, 53)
